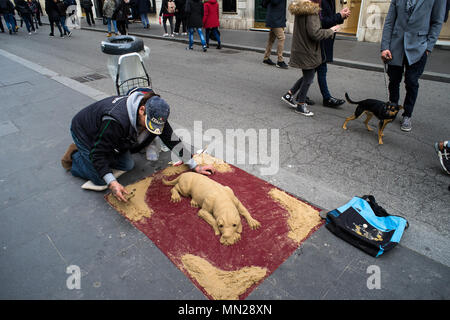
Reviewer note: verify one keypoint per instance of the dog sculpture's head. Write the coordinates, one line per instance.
(230, 228)
(391, 109)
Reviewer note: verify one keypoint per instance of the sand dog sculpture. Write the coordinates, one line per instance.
(218, 205)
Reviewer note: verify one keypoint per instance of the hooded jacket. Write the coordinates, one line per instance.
(305, 48)
(6, 6)
(109, 128)
(211, 14)
(276, 14)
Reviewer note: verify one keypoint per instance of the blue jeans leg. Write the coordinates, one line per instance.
(202, 38)
(216, 33)
(83, 167)
(322, 80)
(191, 37)
(144, 19)
(63, 24)
(108, 21)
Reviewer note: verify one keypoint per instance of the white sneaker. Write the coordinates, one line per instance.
(89, 185)
(165, 35)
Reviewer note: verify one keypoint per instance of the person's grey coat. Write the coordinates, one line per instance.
(276, 14)
(412, 36)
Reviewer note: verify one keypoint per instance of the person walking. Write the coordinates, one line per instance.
(167, 12)
(108, 11)
(121, 16)
(329, 18)
(180, 17)
(143, 8)
(7, 10)
(87, 7)
(211, 21)
(305, 49)
(276, 21)
(53, 17)
(410, 31)
(26, 14)
(62, 8)
(105, 134)
(194, 18)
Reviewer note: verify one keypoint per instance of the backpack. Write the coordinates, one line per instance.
(265, 3)
(171, 7)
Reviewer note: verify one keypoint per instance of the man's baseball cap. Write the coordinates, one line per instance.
(156, 113)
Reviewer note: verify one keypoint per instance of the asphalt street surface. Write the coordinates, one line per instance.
(232, 89)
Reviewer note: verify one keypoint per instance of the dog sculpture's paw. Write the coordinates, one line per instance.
(175, 199)
(194, 204)
(254, 224)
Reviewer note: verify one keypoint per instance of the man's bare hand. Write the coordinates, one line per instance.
(118, 191)
(206, 170)
(386, 56)
(345, 13)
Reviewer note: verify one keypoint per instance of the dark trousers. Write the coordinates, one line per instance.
(302, 85)
(322, 80)
(52, 26)
(180, 18)
(89, 16)
(1, 24)
(412, 75)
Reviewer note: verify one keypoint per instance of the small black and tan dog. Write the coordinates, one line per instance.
(384, 111)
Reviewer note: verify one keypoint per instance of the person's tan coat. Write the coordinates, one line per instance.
(305, 48)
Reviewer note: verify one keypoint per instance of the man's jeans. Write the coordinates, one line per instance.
(200, 34)
(114, 22)
(322, 80)
(412, 75)
(144, 19)
(82, 166)
(9, 20)
(63, 24)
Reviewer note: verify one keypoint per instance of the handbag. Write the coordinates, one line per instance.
(366, 225)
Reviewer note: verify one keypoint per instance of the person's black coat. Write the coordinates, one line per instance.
(121, 12)
(329, 18)
(22, 7)
(276, 14)
(52, 10)
(194, 13)
(180, 6)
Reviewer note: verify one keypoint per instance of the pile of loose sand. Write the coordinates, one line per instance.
(302, 217)
(219, 284)
(136, 208)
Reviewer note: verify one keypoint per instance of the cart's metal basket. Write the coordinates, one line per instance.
(141, 79)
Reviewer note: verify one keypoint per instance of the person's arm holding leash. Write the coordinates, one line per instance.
(389, 22)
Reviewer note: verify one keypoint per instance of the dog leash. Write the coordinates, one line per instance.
(386, 81)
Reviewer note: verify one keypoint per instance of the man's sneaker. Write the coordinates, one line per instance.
(269, 62)
(70, 34)
(333, 102)
(165, 35)
(443, 151)
(282, 65)
(302, 108)
(289, 99)
(406, 124)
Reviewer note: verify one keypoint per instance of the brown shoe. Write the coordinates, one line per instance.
(66, 160)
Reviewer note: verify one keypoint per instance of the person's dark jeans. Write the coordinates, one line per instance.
(412, 75)
(180, 19)
(214, 31)
(302, 85)
(28, 21)
(89, 16)
(322, 80)
(83, 167)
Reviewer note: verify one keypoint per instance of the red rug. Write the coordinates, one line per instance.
(177, 231)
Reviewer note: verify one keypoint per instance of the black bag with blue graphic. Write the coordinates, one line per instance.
(366, 225)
